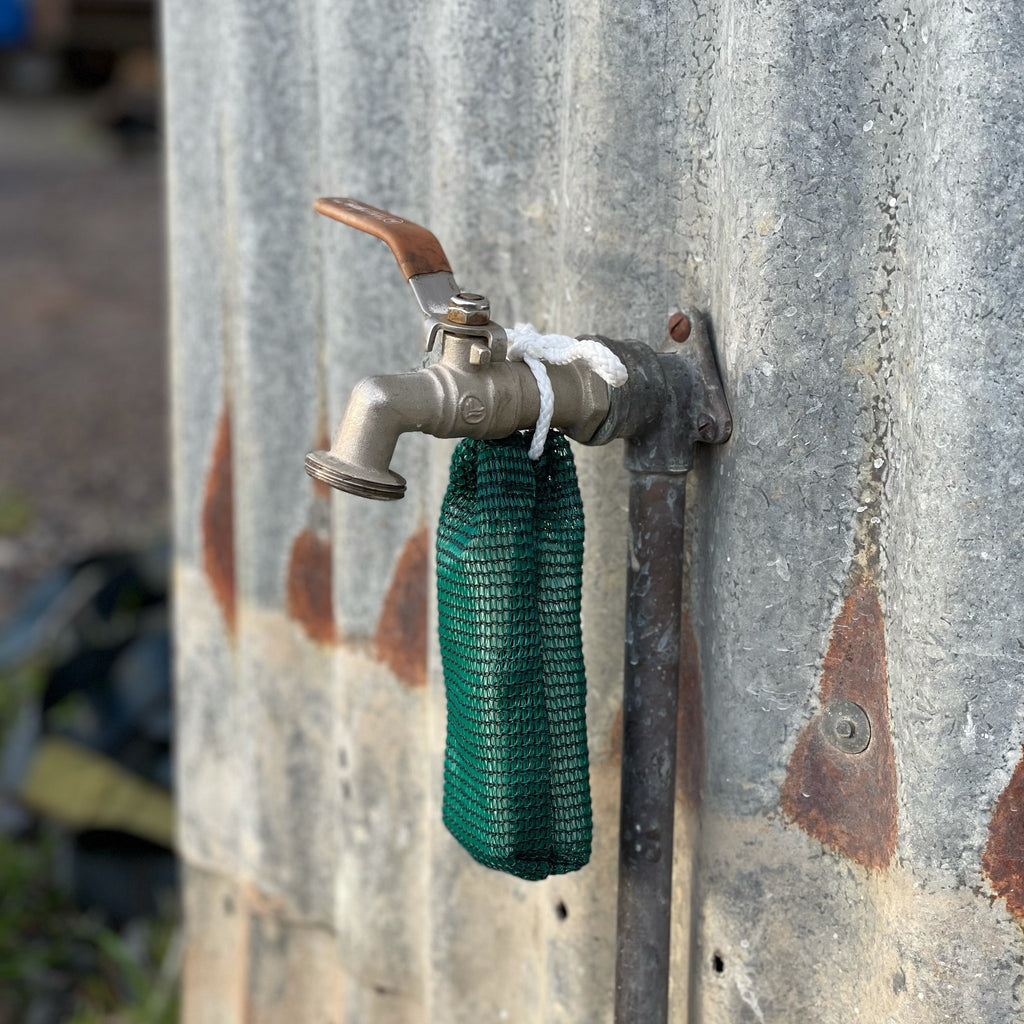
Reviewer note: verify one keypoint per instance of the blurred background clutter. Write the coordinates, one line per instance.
(89, 925)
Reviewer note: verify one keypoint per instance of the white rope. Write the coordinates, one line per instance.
(535, 349)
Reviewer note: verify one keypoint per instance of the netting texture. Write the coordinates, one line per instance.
(509, 575)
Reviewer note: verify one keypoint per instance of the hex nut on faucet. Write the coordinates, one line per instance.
(469, 308)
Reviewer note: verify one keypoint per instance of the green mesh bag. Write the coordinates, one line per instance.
(509, 573)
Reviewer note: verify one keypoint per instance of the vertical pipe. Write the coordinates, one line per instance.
(650, 702)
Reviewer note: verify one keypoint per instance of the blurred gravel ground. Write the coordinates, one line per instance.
(83, 394)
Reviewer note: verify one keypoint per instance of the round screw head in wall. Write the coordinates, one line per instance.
(469, 308)
(679, 327)
(846, 727)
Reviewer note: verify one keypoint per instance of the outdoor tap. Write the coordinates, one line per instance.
(474, 390)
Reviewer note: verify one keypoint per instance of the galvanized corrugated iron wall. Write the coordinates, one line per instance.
(840, 186)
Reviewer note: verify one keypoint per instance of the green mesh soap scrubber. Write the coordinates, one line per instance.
(509, 575)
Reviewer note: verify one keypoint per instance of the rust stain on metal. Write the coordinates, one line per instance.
(848, 801)
(401, 638)
(1003, 859)
(690, 742)
(219, 522)
(309, 587)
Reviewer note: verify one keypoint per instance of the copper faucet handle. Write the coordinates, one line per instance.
(416, 249)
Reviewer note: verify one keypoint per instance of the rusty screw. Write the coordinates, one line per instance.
(846, 727)
(469, 308)
(679, 327)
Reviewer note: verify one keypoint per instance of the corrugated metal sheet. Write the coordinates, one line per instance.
(840, 186)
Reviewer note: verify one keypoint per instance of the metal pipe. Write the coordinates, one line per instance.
(649, 715)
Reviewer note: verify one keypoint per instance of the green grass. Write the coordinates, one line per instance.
(53, 954)
(59, 965)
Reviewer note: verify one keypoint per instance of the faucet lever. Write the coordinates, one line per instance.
(417, 250)
(425, 266)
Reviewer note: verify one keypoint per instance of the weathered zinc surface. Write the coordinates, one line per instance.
(840, 186)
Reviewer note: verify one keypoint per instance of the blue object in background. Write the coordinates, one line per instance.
(13, 23)
(96, 636)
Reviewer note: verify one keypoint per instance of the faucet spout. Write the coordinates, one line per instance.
(379, 410)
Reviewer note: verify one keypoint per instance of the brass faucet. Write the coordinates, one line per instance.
(474, 390)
